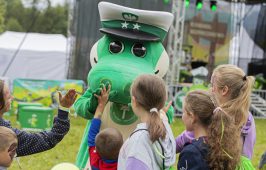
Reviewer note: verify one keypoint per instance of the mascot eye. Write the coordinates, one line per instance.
(116, 47)
(138, 50)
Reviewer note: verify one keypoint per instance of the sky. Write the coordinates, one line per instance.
(54, 2)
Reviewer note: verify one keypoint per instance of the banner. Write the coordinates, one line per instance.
(43, 91)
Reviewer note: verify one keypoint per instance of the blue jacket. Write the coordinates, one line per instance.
(30, 143)
(193, 156)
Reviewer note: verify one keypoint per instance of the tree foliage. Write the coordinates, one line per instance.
(36, 17)
(2, 14)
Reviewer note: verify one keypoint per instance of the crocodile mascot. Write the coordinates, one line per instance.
(131, 46)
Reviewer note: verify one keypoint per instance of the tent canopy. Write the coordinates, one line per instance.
(41, 56)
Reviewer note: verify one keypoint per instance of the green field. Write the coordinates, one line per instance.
(66, 151)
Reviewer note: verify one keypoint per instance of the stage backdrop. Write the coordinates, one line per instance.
(208, 33)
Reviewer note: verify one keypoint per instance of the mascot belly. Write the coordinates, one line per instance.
(131, 46)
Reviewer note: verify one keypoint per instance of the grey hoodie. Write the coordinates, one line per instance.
(139, 147)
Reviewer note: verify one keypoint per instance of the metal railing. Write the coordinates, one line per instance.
(258, 100)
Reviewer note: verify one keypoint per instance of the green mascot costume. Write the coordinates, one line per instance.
(131, 45)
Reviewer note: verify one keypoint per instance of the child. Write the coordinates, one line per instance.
(151, 146)
(30, 143)
(105, 148)
(8, 146)
(217, 139)
(232, 89)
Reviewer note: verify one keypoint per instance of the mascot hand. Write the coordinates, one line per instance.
(112, 93)
(93, 101)
(169, 110)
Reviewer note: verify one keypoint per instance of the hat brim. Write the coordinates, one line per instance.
(130, 34)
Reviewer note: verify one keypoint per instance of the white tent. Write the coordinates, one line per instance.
(41, 56)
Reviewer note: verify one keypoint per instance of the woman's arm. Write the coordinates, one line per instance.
(249, 137)
(31, 143)
(182, 139)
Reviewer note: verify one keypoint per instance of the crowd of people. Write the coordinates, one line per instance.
(220, 131)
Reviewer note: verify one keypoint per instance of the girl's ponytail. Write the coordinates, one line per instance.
(155, 126)
(224, 141)
(239, 89)
(150, 93)
(223, 135)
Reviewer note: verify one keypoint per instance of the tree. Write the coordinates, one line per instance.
(14, 25)
(53, 20)
(36, 17)
(2, 14)
(15, 11)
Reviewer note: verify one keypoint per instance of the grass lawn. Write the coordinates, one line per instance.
(66, 150)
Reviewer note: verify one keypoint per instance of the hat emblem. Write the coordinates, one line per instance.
(129, 16)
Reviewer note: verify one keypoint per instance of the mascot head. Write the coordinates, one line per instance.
(131, 45)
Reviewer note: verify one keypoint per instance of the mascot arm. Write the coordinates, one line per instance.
(86, 105)
(170, 113)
